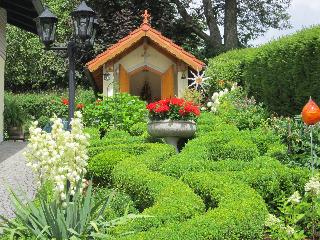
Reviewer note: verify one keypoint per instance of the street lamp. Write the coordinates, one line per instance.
(84, 30)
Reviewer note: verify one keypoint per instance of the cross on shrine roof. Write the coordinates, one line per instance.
(146, 17)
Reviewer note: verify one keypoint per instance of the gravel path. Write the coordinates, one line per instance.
(13, 174)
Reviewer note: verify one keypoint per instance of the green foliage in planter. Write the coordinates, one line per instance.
(13, 114)
(120, 111)
(281, 74)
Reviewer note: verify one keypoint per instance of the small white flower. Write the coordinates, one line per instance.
(313, 186)
(290, 230)
(295, 198)
(215, 96)
(209, 104)
(272, 220)
(63, 196)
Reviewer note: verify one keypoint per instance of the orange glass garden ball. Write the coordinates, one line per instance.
(311, 113)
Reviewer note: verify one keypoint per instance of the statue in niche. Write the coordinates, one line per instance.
(145, 93)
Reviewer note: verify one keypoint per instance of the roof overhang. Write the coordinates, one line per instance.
(21, 13)
(145, 31)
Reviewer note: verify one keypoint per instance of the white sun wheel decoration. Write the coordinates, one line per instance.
(198, 79)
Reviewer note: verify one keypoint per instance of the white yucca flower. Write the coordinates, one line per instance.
(60, 155)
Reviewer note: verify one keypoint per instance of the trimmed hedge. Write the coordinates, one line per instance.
(225, 178)
(282, 74)
(238, 213)
(101, 165)
(164, 198)
(104, 159)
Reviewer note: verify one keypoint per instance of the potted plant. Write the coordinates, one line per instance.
(13, 119)
(172, 119)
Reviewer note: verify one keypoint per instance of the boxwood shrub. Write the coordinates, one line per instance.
(164, 198)
(235, 211)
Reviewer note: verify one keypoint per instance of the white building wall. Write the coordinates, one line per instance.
(3, 22)
(137, 58)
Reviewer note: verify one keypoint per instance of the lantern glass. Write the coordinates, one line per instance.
(94, 31)
(83, 21)
(46, 26)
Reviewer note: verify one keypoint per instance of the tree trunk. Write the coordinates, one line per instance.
(215, 40)
(230, 25)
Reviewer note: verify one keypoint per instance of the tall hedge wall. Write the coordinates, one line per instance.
(283, 73)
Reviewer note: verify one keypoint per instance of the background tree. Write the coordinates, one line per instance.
(117, 18)
(229, 24)
(28, 66)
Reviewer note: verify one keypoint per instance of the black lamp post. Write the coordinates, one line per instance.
(85, 26)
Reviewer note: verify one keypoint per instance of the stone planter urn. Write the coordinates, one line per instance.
(172, 130)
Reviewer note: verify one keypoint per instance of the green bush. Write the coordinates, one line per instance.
(264, 138)
(119, 202)
(42, 106)
(227, 68)
(121, 112)
(101, 165)
(138, 129)
(236, 149)
(103, 159)
(282, 74)
(238, 109)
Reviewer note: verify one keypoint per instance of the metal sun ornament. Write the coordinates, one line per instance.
(198, 79)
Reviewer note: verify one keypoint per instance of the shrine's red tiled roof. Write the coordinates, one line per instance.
(155, 36)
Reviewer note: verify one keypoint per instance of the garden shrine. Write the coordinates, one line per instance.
(145, 64)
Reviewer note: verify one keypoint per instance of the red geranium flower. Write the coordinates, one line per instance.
(80, 106)
(65, 101)
(196, 111)
(151, 106)
(164, 102)
(162, 109)
(177, 101)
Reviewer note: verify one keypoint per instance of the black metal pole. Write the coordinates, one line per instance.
(72, 87)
